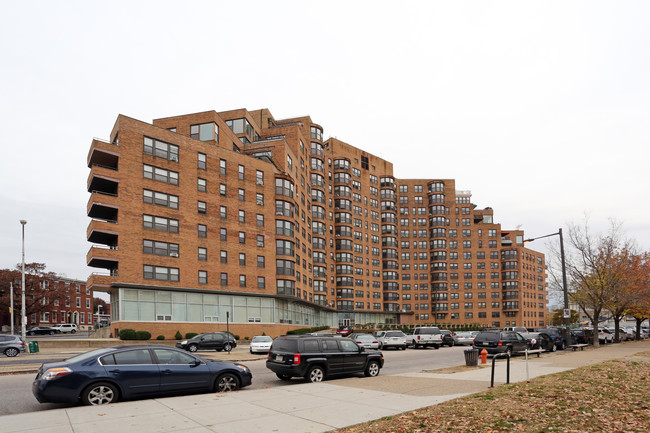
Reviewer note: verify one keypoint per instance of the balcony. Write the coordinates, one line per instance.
(391, 308)
(102, 207)
(101, 256)
(102, 232)
(100, 182)
(103, 154)
(99, 281)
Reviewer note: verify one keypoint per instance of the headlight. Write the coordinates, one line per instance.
(55, 373)
(183, 341)
(243, 368)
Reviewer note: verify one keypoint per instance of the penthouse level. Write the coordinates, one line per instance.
(235, 216)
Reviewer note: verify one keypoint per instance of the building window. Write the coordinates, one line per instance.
(223, 234)
(203, 230)
(203, 277)
(159, 248)
(224, 279)
(261, 283)
(259, 177)
(160, 149)
(242, 280)
(222, 189)
(202, 207)
(260, 241)
(240, 172)
(160, 199)
(203, 254)
(261, 263)
(202, 184)
(160, 174)
(260, 220)
(259, 199)
(202, 161)
(242, 237)
(222, 167)
(223, 212)
(160, 223)
(160, 273)
(242, 216)
(242, 259)
(205, 132)
(241, 194)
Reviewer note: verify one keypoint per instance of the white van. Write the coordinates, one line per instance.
(66, 328)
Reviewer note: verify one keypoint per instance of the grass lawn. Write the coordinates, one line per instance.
(613, 396)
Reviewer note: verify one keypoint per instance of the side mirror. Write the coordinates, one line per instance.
(362, 349)
(197, 362)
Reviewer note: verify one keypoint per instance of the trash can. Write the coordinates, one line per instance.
(33, 347)
(471, 357)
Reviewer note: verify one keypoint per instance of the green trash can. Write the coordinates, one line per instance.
(33, 347)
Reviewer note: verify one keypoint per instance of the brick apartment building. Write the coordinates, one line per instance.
(235, 216)
(54, 301)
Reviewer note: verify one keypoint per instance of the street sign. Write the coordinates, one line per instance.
(567, 313)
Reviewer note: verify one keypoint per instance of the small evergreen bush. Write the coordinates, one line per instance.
(178, 335)
(160, 337)
(189, 335)
(127, 334)
(142, 335)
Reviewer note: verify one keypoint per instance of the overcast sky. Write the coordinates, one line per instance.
(538, 108)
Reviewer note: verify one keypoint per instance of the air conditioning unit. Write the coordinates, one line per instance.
(173, 158)
(173, 254)
(260, 182)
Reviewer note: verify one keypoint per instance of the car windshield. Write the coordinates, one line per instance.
(394, 334)
(261, 339)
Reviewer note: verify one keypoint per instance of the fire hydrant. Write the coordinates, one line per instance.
(483, 356)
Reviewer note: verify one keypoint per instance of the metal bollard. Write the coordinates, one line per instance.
(494, 358)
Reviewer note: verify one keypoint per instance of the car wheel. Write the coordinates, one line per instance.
(11, 352)
(227, 382)
(73, 331)
(436, 346)
(315, 374)
(227, 347)
(99, 393)
(51, 332)
(381, 346)
(372, 370)
(403, 347)
(451, 344)
(219, 349)
(251, 351)
(283, 376)
(564, 345)
(192, 348)
(554, 348)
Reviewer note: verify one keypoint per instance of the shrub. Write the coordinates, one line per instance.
(263, 333)
(247, 338)
(307, 330)
(160, 337)
(178, 335)
(190, 335)
(142, 335)
(127, 334)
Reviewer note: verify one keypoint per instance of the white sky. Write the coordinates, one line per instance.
(537, 107)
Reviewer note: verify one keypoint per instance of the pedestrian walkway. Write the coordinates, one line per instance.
(303, 407)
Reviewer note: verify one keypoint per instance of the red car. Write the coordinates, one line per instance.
(345, 331)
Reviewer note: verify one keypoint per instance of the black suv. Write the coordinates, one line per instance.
(556, 334)
(316, 358)
(501, 342)
(213, 341)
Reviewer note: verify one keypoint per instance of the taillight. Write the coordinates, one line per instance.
(296, 358)
(500, 343)
(418, 337)
(55, 373)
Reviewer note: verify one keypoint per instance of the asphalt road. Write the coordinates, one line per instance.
(16, 396)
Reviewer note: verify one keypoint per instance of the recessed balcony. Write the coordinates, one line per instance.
(103, 154)
(102, 207)
(101, 256)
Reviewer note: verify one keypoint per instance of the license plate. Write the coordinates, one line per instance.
(278, 358)
(486, 344)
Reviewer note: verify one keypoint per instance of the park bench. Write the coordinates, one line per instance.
(578, 346)
(535, 351)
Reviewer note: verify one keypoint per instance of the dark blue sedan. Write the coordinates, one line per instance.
(110, 374)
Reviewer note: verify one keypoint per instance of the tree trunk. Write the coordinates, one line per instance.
(617, 324)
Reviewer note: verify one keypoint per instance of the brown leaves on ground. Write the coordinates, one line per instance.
(607, 397)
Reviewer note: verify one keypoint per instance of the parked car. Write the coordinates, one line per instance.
(212, 341)
(556, 334)
(541, 340)
(42, 330)
(367, 341)
(318, 358)
(630, 333)
(622, 336)
(582, 336)
(424, 336)
(387, 339)
(110, 374)
(65, 328)
(447, 338)
(260, 343)
(520, 329)
(464, 338)
(500, 342)
(345, 331)
(605, 337)
(11, 345)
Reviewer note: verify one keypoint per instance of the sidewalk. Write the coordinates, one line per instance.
(303, 407)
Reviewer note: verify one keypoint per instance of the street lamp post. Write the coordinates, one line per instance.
(567, 317)
(23, 316)
(11, 305)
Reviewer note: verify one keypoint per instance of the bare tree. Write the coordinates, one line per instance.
(594, 268)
